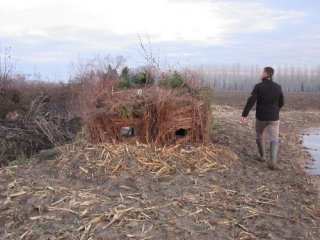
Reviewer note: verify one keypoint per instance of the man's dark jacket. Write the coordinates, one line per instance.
(269, 98)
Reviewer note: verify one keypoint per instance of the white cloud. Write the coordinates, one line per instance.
(164, 20)
(45, 56)
(68, 27)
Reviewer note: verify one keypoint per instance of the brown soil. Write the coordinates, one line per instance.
(243, 200)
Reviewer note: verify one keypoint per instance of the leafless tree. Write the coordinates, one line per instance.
(7, 67)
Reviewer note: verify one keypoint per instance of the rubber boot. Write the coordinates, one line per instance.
(261, 149)
(272, 164)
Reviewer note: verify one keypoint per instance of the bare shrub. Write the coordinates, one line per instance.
(7, 68)
(93, 76)
(34, 114)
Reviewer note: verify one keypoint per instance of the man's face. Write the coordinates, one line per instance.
(264, 74)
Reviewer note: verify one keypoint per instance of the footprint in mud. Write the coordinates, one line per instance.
(247, 154)
(114, 185)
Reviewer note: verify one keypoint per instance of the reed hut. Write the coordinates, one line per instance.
(181, 119)
(149, 115)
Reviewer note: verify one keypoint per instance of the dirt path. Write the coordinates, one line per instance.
(241, 201)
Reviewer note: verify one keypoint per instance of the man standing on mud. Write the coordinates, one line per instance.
(270, 100)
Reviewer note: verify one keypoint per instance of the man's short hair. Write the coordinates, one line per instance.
(269, 70)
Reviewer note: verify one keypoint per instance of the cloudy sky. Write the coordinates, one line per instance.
(47, 35)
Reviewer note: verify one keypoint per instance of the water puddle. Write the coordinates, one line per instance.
(311, 141)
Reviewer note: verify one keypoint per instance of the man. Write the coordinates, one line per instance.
(270, 100)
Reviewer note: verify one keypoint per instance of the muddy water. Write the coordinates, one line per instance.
(311, 141)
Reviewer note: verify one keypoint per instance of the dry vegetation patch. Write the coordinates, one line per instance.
(85, 160)
(35, 119)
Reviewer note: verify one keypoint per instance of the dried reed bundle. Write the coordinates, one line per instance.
(186, 114)
(114, 111)
(156, 115)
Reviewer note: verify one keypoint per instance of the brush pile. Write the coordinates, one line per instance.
(30, 122)
(18, 140)
(149, 115)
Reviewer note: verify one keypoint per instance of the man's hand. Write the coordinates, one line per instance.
(243, 120)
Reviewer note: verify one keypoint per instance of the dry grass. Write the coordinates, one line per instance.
(86, 160)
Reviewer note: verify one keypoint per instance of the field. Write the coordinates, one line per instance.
(152, 193)
(293, 102)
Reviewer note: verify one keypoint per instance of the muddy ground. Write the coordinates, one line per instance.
(243, 200)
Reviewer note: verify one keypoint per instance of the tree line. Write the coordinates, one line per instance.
(243, 77)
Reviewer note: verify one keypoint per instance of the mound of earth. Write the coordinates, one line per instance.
(87, 161)
(202, 192)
